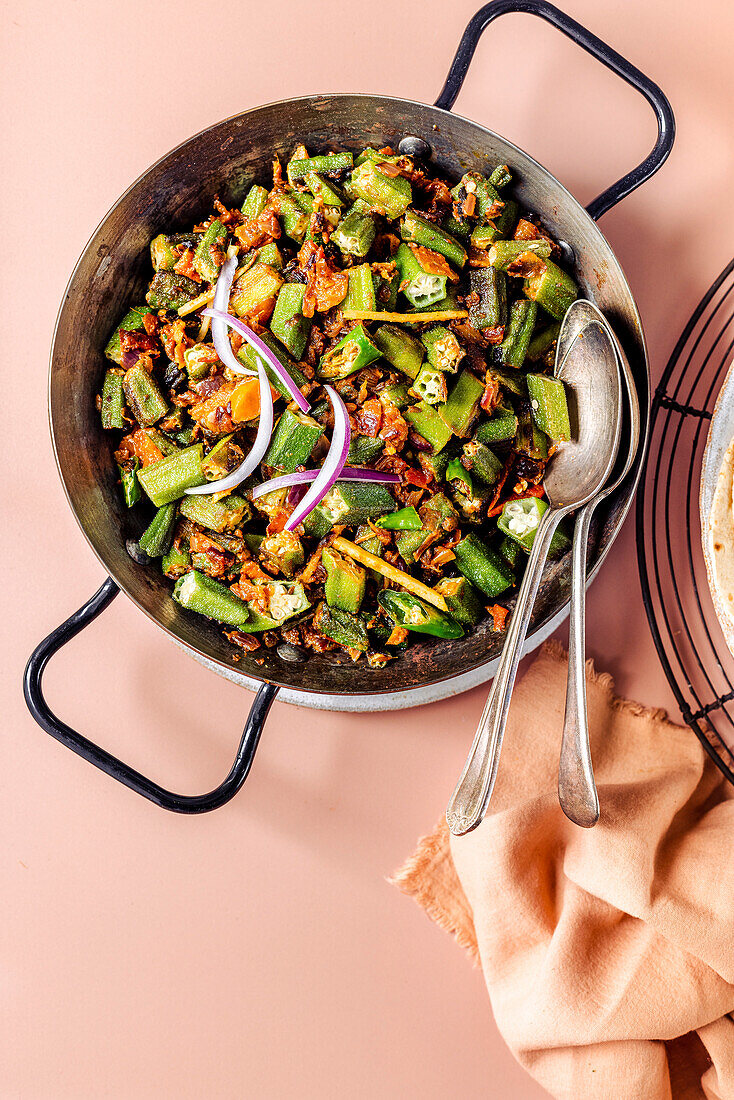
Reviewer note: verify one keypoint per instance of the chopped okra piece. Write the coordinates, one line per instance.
(293, 441)
(502, 425)
(113, 399)
(342, 627)
(421, 278)
(552, 289)
(345, 580)
(282, 553)
(168, 479)
(331, 162)
(462, 406)
(481, 461)
(197, 592)
(519, 520)
(385, 195)
(363, 449)
(176, 562)
(513, 349)
(218, 515)
(131, 322)
(209, 253)
(429, 424)
(430, 386)
(504, 253)
(288, 322)
(255, 287)
(249, 357)
(549, 406)
(543, 344)
(487, 301)
(157, 537)
(350, 354)
(462, 599)
(144, 398)
(256, 201)
(398, 394)
(402, 351)
(224, 457)
(422, 232)
(171, 291)
(361, 292)
(162, 255)
(293, 219)
(487, 200)
(414, 614)
(483, 566)
(356, 231)
(443, 349)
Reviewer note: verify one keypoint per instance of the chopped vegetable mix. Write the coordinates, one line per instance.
(333, 411)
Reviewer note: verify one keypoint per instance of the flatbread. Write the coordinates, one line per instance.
(721, 546)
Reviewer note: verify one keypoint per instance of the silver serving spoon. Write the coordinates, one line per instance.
(576, 787)
(577, 472)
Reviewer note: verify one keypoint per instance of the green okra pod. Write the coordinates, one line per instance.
(363, 448)
(386, 195)
(415, 614)
(487, 300)
(288, 322)
(513, 349)
(112, 411)
(254, 287)
(361, 292)
(197, 592)
(402, 351)
(209, 253)
(502, 425)
(443, 349)
(480, 460)
(162, 255)
(157, 537)
(428, 423)
(462, 599)
(176, 562)
(421, 285)
(350, 354)
(293, 441)
(356, 231)
(552, 289)
(462, 406)
(549, 406)
(484, 567)
(430, 386)
(342, 627)
(422, 232)
(331, 162)
(131, 322)
(167, 480)
(504, 253)
(345, 581)
(256, 201)
(217, 515)
(144, 398)
(171, 291)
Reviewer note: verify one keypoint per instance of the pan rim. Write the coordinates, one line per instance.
(625, 491)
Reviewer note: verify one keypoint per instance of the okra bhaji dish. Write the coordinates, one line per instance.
(336, 404)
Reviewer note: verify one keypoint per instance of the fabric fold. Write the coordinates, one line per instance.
(608, 953)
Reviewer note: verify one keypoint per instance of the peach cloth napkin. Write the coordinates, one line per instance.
(608, 953)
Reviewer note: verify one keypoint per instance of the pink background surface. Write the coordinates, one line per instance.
(260, 951)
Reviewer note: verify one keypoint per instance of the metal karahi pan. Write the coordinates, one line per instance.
(177, 191)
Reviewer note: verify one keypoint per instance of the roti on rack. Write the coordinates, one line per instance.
(720, 538)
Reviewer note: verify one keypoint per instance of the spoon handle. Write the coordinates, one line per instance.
(469, 801)
(576, 786)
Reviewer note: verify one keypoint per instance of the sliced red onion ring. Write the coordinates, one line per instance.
(220, 336)
(333, 464)
(259, 447)
(261, 348)
(302, 477)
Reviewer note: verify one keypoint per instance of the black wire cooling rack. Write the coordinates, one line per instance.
(675, 590)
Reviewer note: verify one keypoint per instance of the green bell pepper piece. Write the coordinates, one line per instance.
(414, 614)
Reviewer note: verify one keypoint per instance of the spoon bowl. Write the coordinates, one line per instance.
(577, 471)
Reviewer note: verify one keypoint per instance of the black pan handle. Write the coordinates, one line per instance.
(123, 773)
(598, 49)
